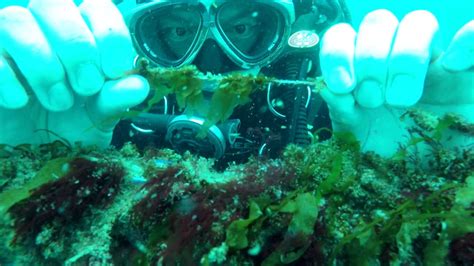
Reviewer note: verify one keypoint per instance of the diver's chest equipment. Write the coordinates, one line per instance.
(279, 36)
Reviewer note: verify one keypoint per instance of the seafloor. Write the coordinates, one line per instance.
(325, 204)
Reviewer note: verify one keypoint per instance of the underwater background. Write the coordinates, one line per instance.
(451, 15)
(325, 204)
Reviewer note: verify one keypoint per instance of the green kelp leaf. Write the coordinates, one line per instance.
(196, 105)
(347, 140)
(273, 260)
(457, 225)
(159, 92)
(52, 170)
(233, 90)
(185, 82)
(465, 195)
(187, 86)
(435, 252)
(319, 84)
(400, 155)
(462, 220)
(293, 255)
(443, 123)
(364, 249)
(189, 97)
(305, 212)
(236, 233)
(304, 208)
(328, 185)
(222, 105)
(459, 222)
(414, 141)
(408, 232)
(285, 201)
(361, 232)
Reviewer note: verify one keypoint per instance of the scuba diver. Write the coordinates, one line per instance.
(64, 72)
(275, 38)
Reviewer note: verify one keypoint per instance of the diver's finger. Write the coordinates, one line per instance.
(337, 58)
(111, 34)
(12, 93)
(23, 40)
(72, 41)
(410, 58)
(460, 53)
(373, 45)
(342, 109)
(116, 97)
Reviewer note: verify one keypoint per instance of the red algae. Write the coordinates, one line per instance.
(87, 184)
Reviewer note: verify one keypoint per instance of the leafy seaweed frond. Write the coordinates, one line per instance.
(402, 226)
(187, 84)
(236, 233)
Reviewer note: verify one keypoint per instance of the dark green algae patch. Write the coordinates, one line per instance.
(325, 204)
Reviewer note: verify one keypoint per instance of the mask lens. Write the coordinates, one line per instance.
(168, 34)
(252, 29)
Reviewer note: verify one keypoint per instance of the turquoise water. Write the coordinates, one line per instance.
(451, 15)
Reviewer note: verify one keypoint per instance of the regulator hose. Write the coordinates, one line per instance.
(295, 99)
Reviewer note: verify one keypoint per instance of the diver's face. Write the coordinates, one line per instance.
(241, 26)
(244, 34)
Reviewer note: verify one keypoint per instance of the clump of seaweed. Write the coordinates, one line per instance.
(430, 205)
(64, 201)
(272, 212)
(429, 122)
(25, 167)
(303, 208)
(326, 203)
(187, 84)
(196, 214)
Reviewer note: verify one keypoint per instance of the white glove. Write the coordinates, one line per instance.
(388, 66)
(62, 72)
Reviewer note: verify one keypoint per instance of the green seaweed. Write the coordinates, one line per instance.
(328, 185)
(347, 141)
(52, 170)
(430, 129)
(236, 233)
(444, 123)
(398, 226)
(187, 83)
(233, 90)
(304, 210)
(459, 222)
(364, 250)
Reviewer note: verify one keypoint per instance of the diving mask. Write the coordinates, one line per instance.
(251, 33)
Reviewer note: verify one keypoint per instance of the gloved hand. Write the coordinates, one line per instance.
(374, 75)
(62, 72)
